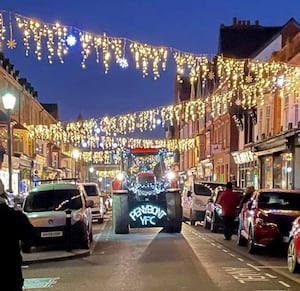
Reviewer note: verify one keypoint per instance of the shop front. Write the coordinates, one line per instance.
(247, 168)
(277, 162)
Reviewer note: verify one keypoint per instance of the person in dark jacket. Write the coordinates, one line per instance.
(14, 226)
(229, 201)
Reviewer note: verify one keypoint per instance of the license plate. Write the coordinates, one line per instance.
(52, 234)
(285, 239)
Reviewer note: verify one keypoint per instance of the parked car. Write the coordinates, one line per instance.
(194, 199)
(293, 254)
(93, 193)
(213, 212)
(268, 218)
(46, 207)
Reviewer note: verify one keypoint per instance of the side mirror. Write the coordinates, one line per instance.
(90, 203)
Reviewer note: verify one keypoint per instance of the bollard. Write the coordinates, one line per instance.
(68, 230)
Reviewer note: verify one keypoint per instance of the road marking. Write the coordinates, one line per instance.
(213, 244)
(284, 284)
(241, 260)
(253, 267)
(230, 254)
(271, 276)
(36, 283)
(244, 275)
(225, 251)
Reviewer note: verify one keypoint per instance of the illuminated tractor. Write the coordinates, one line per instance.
(146, 191)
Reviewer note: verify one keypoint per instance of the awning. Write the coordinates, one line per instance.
(271, 151)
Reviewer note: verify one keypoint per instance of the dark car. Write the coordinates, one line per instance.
(268, 218)
(293, 255)
(213, 213)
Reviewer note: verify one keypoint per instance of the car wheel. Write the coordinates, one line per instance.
(250, 242)
(241, 241)
(25, 247)
(293, 265)
(192, 220)
(206, 223)
(213, 227)
(86, 240)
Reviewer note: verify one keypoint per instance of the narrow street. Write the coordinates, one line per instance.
(148, 259)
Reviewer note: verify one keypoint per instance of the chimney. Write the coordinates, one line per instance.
(234, 21)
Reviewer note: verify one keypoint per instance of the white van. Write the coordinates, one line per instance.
(195, 196)
(93, 193)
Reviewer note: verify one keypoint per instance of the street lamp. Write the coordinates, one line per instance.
(91, 171)
(9, 102)
(76, 154)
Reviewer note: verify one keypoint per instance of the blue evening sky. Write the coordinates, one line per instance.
(191, 26)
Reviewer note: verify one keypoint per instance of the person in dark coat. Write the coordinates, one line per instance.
(229, 202)
(14, 226)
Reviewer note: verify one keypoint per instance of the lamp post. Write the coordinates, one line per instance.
(9, 102)
(76, 155)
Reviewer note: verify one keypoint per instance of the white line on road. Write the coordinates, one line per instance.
(284, 284)
(271, 276)
(230, 254)
(255, 268)
(225, 251)
(241, 260)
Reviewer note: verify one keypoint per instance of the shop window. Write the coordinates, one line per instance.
(267, 172)
(277, 172)
(287, 171)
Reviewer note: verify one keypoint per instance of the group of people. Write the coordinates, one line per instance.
(14, 226)
(229, 200)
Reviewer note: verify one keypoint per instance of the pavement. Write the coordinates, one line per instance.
(38, 256)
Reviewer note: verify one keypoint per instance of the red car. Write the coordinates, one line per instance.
(268, 218)
(293, 255)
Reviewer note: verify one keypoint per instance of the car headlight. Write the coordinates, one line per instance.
(77, 216)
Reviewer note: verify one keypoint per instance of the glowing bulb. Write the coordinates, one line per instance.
(123, 63)
(71, 40)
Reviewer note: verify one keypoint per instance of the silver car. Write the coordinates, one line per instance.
(46, 207)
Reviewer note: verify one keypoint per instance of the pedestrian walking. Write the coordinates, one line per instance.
(229, 201)
(14, 226)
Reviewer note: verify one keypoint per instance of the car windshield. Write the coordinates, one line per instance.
(56, 200)
(91, 190)
(282, 200)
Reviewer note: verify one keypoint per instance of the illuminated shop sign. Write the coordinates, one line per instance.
(147, 215)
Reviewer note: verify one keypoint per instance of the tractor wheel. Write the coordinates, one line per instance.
(120, 213)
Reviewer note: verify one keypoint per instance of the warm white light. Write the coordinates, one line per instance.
(120, 176)
(9, 101)
(76, 154)
(91, 170)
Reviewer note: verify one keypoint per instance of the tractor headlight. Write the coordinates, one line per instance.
(171, 175)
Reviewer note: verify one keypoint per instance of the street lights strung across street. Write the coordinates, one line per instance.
(9, 102)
